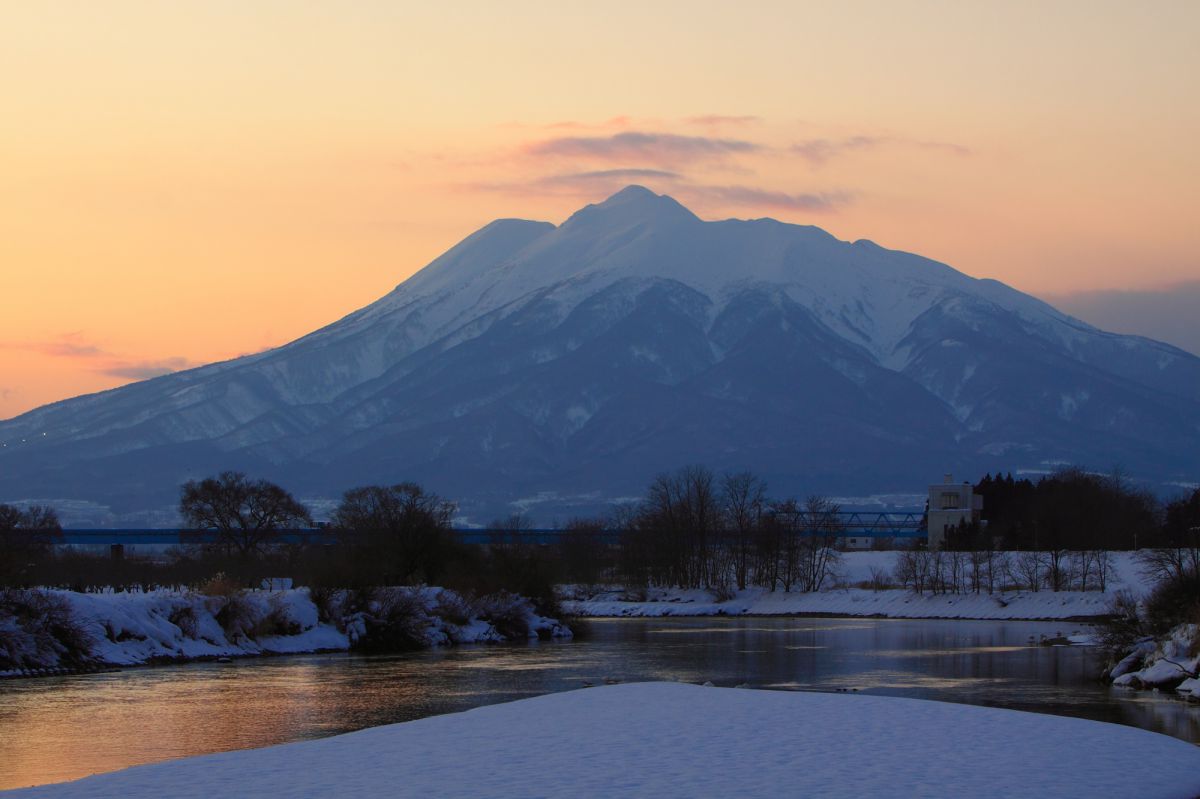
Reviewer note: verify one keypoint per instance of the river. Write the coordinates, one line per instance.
(61, 728)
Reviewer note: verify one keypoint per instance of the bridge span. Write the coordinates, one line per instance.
(872, 524)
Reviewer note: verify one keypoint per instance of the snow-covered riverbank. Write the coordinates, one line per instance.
(1172, 662)
(892, 603)
(847, 597)
(120, 628)
(674, 740)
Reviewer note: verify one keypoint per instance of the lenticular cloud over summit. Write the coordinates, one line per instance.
(577, 361)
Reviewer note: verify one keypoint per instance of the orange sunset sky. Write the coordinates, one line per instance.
(182, 182)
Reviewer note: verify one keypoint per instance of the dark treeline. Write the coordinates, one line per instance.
(1072, 509)
(1054, 534)
(27, 538)
(693, 530)
(379, 536)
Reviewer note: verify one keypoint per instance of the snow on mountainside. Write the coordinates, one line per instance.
(634, 337)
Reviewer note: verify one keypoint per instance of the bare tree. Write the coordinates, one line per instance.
(997, 566)
(1058, 562)
(1176, 555)
(785, 544)
(676, 529)
(248, 515)
(585, 553)
(1102, 567)
(26, 536)
(769, 544)
(1081, 567)
(1027, 569)
(957, 564)
(401, 531)
(744, 498)
(517, 563)
(819, 554)
(912, 570)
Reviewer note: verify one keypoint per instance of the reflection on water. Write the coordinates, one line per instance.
(939, 653)
(66, 727)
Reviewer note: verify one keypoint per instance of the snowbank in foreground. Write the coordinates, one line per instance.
(671, 740)
(135, 628)
(893, 603)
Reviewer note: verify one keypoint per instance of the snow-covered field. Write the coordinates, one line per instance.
(856, 568)
(674, 740)
(135, 628)
(894, 603)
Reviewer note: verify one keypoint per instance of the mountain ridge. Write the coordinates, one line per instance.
(533, 358)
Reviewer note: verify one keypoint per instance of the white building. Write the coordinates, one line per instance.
(950, 505)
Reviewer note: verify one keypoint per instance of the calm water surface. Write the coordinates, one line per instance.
(61, 728)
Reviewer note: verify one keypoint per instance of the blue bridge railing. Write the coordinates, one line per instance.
(846, 523)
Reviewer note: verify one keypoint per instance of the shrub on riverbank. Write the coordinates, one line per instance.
(38, 630)
(61, 629)
(1169, 662)
(387, 620)
(402, 619)
(1173, 602)
(1156, 642)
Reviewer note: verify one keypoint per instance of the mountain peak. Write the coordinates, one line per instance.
(632, 193)
(532, 361)
(632, 204)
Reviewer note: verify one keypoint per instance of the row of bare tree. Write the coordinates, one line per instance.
(379, 535)
(694, 530)
(942, 571)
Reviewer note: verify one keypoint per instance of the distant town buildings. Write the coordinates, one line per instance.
(951, 505)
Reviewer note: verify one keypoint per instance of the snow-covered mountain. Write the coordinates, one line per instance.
(579, 360)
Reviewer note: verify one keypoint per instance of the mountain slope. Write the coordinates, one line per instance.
(581, 359)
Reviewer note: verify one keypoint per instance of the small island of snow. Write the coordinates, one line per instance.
(673, 740)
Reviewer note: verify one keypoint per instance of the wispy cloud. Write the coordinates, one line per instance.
(613, 174)
(944, 146)
(620, 121)
(594, 184)
(819, 151)
(698, 160)
(596, 180)
(642, 147)
(143, 370)
(582, 183)
(713, 120)
(612, 123)
(258, 351)
(751, 197)
(68, 345)
(75, 346)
